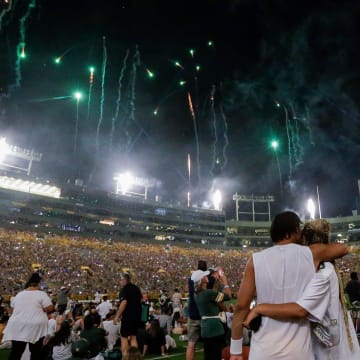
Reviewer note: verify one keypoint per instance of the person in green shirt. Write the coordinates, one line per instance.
(207, 301)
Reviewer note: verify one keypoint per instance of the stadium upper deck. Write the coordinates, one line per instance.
(97, 213)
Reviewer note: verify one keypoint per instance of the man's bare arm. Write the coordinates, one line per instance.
(327, 252)
(120, 310)
(312, 303)
(245, 295)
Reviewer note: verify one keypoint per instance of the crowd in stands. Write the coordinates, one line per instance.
(78, 268)
(90, 265)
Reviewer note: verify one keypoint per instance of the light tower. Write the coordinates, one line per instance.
(29, 156)
(253, 200)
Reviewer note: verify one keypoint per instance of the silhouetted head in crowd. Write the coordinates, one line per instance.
(34, 280)
(202, 265)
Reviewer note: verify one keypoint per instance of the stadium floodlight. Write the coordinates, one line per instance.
(7, 150)
(216, 199)
(124, 182)
(4, 149)
(311, 208)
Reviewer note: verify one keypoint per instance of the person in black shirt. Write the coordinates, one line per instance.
(130, 313)
(353, 287)
(353, 290)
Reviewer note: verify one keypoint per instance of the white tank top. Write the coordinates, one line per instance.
(281, 275)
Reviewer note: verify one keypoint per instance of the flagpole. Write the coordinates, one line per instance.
(318, 198)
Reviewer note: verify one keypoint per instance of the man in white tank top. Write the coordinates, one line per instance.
(276, 275)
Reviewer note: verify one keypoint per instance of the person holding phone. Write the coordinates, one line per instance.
(207, 300)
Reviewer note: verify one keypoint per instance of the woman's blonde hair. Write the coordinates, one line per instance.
(316, 231)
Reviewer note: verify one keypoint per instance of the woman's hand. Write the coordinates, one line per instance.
(223, 279)
(251, 316)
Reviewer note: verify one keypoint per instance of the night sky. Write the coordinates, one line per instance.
(259, 71)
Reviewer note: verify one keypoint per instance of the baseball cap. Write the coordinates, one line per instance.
(199, 274)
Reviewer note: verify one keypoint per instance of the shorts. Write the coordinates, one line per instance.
(193, 330)
(130, 328)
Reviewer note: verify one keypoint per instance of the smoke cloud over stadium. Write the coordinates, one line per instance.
(253, 97)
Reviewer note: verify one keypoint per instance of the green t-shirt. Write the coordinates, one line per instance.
(207, 302)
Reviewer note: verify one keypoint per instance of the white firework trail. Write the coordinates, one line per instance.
(135, 64)
(102, 99)
(191, 107)
(4, 12)
(118, 100)
(20, 49)
(308, 127)
(287, 125)
(226, 138)
(214, 124)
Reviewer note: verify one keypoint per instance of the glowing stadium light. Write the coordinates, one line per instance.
(216, 199)
(7, 150)
(124, 182)
(311, 208)
(4, 149)
(29, 187)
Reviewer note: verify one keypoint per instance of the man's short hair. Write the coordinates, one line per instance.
(284, 225)
(202, 265)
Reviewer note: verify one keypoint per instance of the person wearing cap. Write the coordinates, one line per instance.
(62, 299)
(130, 312)
(207, 300)
(194, 318)
(279, 274)
(29, 322)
